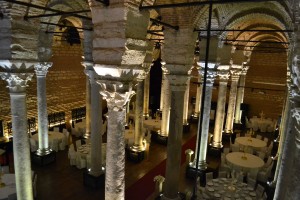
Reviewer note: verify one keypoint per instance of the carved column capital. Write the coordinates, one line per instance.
(235, 74)
(244, 69)
(211, 72)
(223, 73)
(17, 82)
(41, 69)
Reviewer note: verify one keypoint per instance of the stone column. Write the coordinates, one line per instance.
(186, 103)
(88, 67)
(240, 95)
(223, 73)
(206, 117)
(235, 74)
(17, 83)
(41, 70)
(178, 88)
(138, 146)
(283, 132)
(117, 94)
(96, 126)
(146, 95)
(164, 131)
(198, 98)
(162, 92)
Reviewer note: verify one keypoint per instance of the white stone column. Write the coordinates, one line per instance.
(88, 67)
(164, 131)
(96, 126)
(17, 83)
(41, 70)
(223, 73)
(146, 95)
(178, 87)
(206, 117)
(198, 98)
(117, 94)
(186, 102)
(240, 95)
(163, 88)
(139, 104)
(235, 74)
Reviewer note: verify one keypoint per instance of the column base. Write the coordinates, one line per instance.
(160, 139)
(42, 160)
(226, 137)
(215, 151)
(93, 181)
(135, 155)
(238, 126)
(186, 127)
(192, 173)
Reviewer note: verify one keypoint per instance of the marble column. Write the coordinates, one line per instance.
(178, 88)
(96, 126)
(163, 87)
(186, 103)
(282, 135)
(117, 94)
(206, 117)
(198, 98)
(240, 95)
(88, 67)
(138, 131)
(17, 83)
(41, 70)
(164, 131)
(223, 73)
(146, 95)
(235, 74)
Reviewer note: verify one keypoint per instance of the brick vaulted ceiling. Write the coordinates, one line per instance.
(271, 15)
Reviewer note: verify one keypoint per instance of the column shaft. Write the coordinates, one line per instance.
(239, 99)
(198, 98)
(96, 130)
(42, 116)
(115, 155)
(231, 106)
(146, 95)
(138, 133)
(219, 122)
(21, 146)
(186, 103)
(205, 127)
(162, 92)
(166, 108)
(88, 109)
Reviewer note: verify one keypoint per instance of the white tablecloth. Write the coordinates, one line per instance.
(52, 135)
(264, 125)
(152, 124)
(10, 186)
(244, 161)
(80, 127)
(227, 189)
(252, 142)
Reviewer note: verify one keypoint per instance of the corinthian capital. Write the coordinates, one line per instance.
(223, 72)
(17, 82)
(17, 66)
(41, 69)
(211, 72)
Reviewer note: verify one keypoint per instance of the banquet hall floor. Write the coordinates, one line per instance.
(61, 181)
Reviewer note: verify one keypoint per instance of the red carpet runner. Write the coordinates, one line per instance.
(144, 187)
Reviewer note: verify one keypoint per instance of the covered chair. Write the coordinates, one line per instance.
(251, 183)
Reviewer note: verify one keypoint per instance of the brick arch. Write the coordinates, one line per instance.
(200, 16)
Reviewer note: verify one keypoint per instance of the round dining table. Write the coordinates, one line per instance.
(227, 189)
(252, 142)
(244, 161)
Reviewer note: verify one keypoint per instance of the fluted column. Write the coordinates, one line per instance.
(164, 131)
(88, 67)
(146, 95)
(240, 95)
(206, 117)
(96, 126)
(223, 73)
(178, 84)
(41, 70)
(17, 83)
(186, 102)
(138, 132)
(117, 94)
(235, 74)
